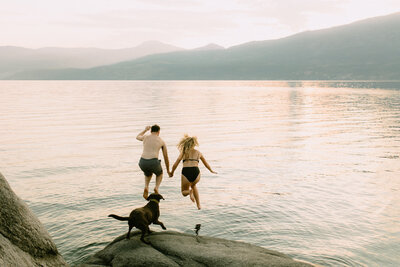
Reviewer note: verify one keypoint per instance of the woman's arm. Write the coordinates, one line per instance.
(206, 164)
(176, 164)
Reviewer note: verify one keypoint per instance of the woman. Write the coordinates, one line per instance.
(190, 171)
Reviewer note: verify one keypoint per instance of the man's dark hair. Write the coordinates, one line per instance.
(155, 128)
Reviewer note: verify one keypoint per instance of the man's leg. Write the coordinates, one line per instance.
(158, 182)
(146, 186)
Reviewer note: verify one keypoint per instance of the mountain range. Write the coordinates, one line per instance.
(363, 50)
(18, 59)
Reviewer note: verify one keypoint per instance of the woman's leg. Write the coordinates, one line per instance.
(185, 184)
(195, 192)
(191, 195)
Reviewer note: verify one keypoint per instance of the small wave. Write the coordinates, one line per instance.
(338, 261)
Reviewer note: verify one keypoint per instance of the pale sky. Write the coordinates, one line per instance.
(184, 23)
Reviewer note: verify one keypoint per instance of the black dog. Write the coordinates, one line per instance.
(142, 217)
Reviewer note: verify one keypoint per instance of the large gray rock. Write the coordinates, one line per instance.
(23, 239)
(176, 249)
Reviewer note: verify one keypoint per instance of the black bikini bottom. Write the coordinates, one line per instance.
(190, 173)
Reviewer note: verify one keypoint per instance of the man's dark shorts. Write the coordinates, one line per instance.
(150, 166)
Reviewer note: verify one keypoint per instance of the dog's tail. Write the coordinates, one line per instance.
(119, 217)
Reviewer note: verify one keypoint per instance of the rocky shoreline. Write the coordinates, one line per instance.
(23, 239)
(169, 248)
(25, 242)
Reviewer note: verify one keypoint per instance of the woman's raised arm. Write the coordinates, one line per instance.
(206, 164)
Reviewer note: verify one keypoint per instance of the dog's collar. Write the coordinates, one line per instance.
(155, 200)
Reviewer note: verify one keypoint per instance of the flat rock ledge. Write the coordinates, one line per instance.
(23, 239)
(169, 248)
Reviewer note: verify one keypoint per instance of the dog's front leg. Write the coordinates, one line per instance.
(144, 231)
(161, 224)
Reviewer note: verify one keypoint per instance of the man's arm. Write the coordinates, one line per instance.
(140, 136)
(165, 154)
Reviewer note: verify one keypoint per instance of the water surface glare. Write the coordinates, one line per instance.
(310, 169)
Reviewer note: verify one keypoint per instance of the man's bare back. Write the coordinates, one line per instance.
(151, 146)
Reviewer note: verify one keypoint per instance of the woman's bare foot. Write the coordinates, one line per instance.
(198, 207)
(191, 195)
(156, 190)
(145, 193)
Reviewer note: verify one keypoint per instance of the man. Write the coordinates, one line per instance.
(149, 162)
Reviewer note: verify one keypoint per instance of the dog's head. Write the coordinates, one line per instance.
(155, 196)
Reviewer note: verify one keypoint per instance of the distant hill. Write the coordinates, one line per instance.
(18, 59)
(367, 49)
(210, 47)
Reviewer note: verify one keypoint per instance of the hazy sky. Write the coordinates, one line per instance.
(185, 23)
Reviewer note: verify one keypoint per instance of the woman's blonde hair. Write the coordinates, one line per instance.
(186, 144)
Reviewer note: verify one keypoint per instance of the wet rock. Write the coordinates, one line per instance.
(23, 239)
(170, 248)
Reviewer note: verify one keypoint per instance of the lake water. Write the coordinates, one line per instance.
(311, 169)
